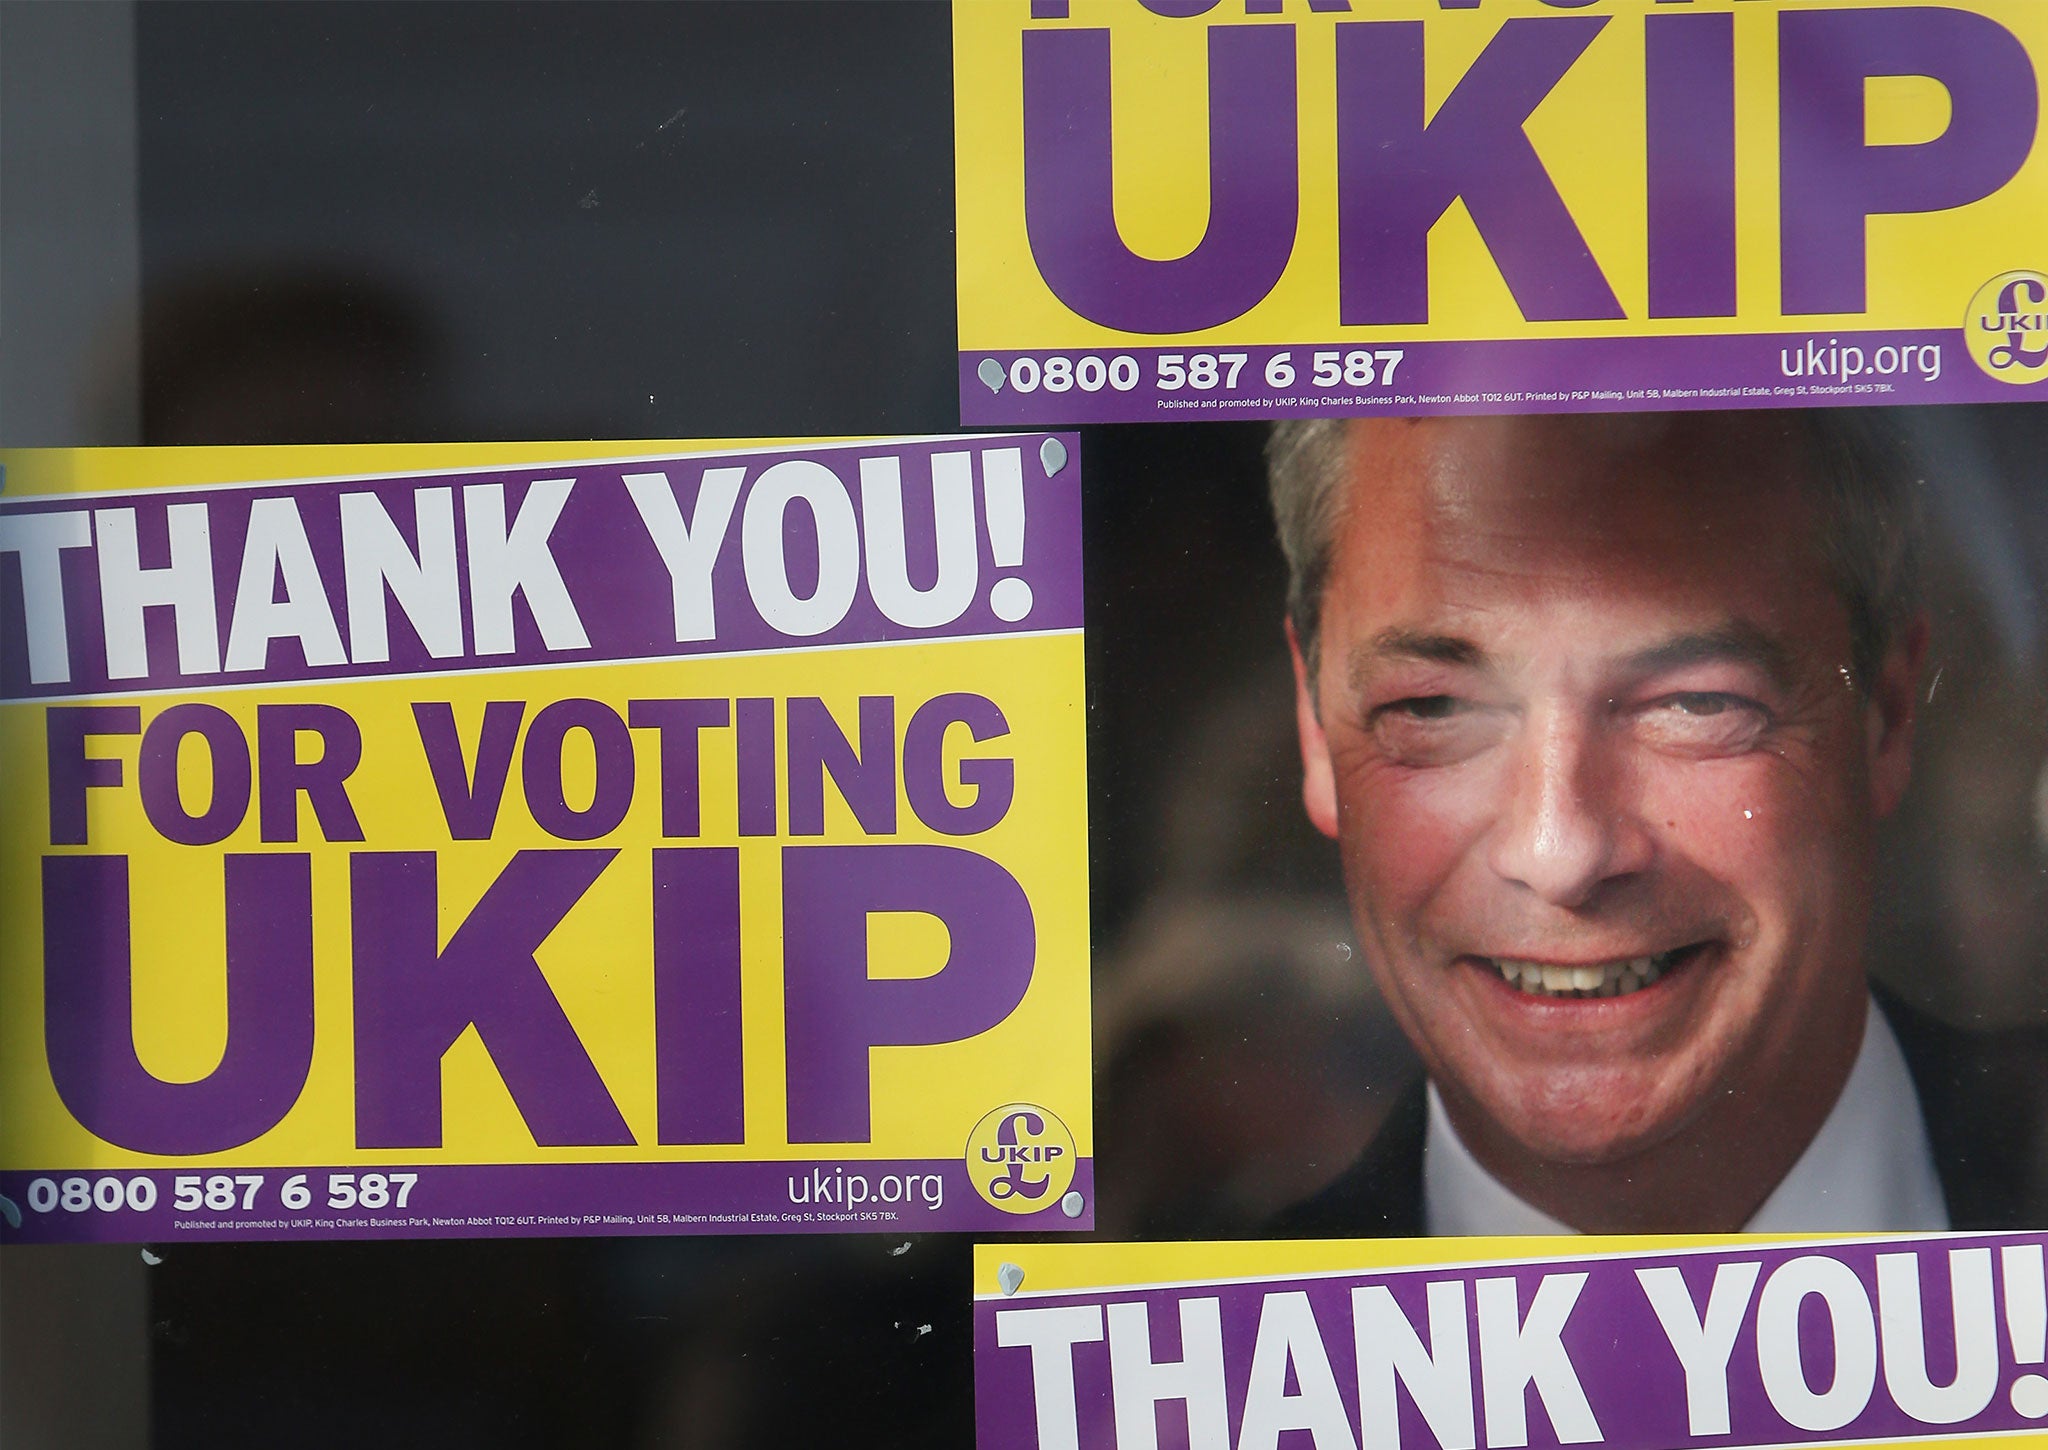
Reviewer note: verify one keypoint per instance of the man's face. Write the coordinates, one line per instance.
(1605, 789)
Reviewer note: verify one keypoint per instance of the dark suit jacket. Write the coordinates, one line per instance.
(1984, 1096)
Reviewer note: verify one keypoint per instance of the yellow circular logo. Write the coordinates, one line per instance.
(1020, 1158)
(2007, 329)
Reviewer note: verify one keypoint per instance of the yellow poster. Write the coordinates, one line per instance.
(1200, 209)
(570, 838)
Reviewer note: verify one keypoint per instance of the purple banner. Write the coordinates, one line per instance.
(1562, 375)
(1759, 1344)
(528, 1200)
(562, 563)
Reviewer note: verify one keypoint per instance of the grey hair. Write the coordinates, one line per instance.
(1864, 475)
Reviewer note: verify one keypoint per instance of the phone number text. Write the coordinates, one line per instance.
(219, 1192)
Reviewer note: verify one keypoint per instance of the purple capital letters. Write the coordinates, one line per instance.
(866, 778)
(72, 771)
(1832, 181)
(1070, 186)
(1396, 174)
(754, 727)
(471, 809)
(1690, 97)
(993, 782)
(281, 777)
(157, 774)
(88, 1007)
(412, 1001)
(834, 1011)
(700, 1083)
(678, 724)
(540, 770)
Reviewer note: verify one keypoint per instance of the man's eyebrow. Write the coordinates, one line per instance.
(1739, 641)
(1410, 644)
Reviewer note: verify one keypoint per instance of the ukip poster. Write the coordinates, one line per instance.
(1189, 210)
(533, 839)
(1448, 1344)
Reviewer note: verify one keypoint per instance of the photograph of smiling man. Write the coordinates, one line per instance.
(1603, 713)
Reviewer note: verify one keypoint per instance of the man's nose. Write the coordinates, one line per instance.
(1567, 825)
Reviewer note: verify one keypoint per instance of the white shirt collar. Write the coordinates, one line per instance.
(1868, 1169)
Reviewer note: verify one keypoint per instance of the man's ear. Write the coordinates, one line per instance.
(1318, 783)
(1894, 700)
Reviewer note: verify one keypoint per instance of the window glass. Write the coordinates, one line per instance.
(322, 222)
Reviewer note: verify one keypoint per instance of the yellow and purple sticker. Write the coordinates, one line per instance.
(1451, 1344)
(1197, 209)
(532, 839)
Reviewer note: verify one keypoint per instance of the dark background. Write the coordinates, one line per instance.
(382, 222)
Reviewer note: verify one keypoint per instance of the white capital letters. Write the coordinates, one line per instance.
(959, 550)
(39, 539)
(1439, 1377)
(1288, 1333)
(375, 557)
(1515, 1353)
(1780, 1355)
(504, 562)
(818, 489)
(1905, 1340)
(688, 551)
(1138, 1382)
(1703, 1344)
(186, 585)
(276, 546)
(1051, 1335)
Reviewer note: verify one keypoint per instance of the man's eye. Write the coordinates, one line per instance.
(1705, 721)
(1426, 730)
(1428, 707)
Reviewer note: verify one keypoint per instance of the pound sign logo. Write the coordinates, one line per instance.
(1020, 1158)
(2007, 329)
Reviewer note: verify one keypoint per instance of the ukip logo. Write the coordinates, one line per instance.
(1020, 1158)
(2007, 327)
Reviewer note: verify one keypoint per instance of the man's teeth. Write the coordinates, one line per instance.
(1608, 979)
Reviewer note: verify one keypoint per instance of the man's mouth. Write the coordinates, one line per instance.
(1617, 978)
